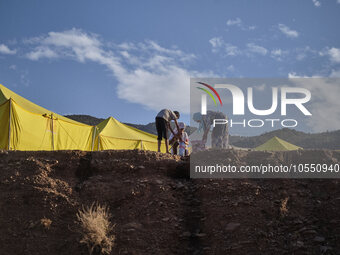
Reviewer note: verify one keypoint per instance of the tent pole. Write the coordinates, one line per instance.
(9, 124)
(93, 137)
(141, 144)
(52, 132)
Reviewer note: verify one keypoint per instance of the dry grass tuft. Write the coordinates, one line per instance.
(283, 207)
(46, 223)
(96, 228)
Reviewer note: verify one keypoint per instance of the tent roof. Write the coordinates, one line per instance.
(6, 94)
(113, 128)
(277, 144)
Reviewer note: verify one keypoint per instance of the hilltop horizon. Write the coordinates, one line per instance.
(317, 140)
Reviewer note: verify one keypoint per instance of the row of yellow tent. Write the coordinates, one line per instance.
(29, 127)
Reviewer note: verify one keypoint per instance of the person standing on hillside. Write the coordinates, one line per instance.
(219, 134)
(163, 119)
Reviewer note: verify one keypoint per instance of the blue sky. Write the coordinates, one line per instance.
(129, 59)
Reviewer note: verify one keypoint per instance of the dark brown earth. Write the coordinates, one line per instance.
(158, 209)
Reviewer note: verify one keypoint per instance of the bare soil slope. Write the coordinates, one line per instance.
(157, 209)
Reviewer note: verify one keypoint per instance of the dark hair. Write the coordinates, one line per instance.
(177, 114)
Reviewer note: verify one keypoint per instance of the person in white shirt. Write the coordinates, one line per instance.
(180, 140)
(163, 119)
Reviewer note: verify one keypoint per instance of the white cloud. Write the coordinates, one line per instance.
(216, 43)
(256, 49)
(5, 50)
(147, 73)
(338, 1)
(324, 104)
(41, 52)
(231, 50)
(231, 68)
(234, 22)
(130, 58)
(335, 73)
(287, 31)
(261, 87)
(334, 54)
(239, 23)
(127, 46)
(24, 78)
(278, 54)
(156, 47)
(302, 53)
(294, 75)
(316, 3)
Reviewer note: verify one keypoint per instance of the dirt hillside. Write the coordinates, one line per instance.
(157, 209)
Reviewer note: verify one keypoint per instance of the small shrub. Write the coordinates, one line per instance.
(283, 207)
(96, 228)
(46, 223)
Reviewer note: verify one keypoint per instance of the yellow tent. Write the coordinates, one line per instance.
(112, 134)
(27, 126)
(277, 144)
